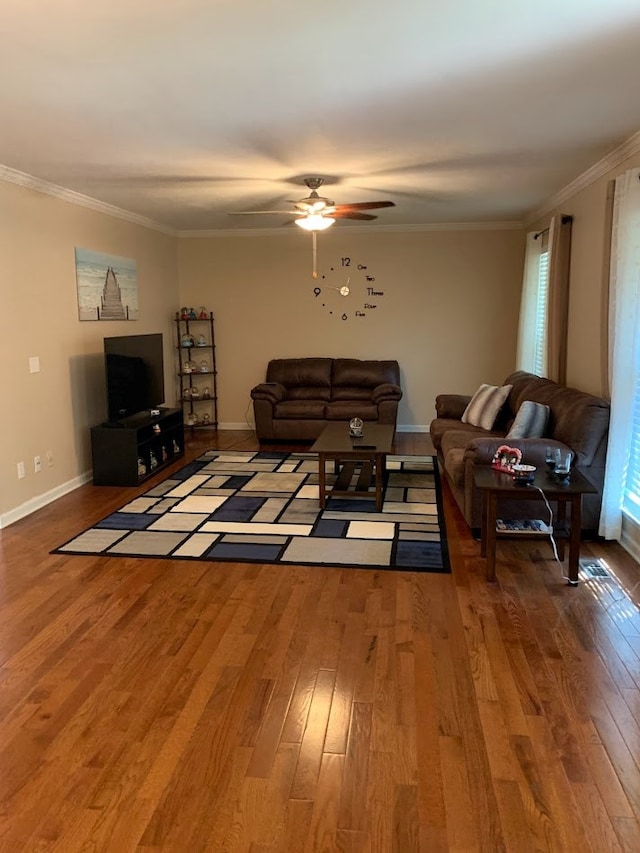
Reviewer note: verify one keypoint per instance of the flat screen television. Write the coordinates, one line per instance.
(135, 374)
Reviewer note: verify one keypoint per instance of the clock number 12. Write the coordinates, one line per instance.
(345, 262)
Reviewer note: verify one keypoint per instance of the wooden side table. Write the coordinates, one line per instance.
(497, 485)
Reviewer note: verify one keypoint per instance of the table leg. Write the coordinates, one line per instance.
(574, 540)
(490, 534)
(321, 478)
(379, 474)
(483, 524)
(561, 517)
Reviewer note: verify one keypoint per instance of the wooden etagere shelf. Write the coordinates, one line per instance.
(197, 374)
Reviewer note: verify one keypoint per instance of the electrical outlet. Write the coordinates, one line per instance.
(21, 471)
(49, 458)
(37, 464)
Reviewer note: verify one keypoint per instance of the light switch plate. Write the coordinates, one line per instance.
(34, 364)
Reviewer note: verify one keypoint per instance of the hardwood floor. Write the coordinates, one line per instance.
(154, 705)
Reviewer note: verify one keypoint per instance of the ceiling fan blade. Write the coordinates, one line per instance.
(352, 214)
(365, 205)
(259, 212)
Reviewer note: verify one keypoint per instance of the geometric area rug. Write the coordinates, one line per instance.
(262, 507)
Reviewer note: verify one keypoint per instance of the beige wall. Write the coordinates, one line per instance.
(449, 311)
(588, 288)
(54, 409)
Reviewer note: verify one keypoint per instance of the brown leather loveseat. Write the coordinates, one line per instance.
(577, 421)
(301, 395)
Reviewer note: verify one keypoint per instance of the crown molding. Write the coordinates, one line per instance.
(358, 229)
(13, 176)
(614, 158)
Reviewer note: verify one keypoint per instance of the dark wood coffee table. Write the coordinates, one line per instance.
(496, 485)
(370, 452)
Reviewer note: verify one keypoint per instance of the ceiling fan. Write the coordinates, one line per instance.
(316, 213)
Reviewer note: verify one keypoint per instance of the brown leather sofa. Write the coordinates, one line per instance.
(577, 421)
(301, 395)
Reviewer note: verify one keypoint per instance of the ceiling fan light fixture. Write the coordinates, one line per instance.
(315, 222)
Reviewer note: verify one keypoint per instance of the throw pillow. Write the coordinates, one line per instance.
(485, 404)
(530, 422)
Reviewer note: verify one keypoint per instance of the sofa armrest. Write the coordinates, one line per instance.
(274, 392)
(481, 450)
(386, 391)
(451, 406)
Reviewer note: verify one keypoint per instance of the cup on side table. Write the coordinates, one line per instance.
(562, 467)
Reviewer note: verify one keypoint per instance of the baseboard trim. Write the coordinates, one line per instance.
(399, 427)
(40, 501)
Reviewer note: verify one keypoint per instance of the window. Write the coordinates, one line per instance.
(544, 307)
(540, 315)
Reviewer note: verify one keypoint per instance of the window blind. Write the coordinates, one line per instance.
(541, 314)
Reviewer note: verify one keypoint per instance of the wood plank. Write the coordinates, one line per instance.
(310, 754)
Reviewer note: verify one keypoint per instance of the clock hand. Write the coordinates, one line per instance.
(343, 291)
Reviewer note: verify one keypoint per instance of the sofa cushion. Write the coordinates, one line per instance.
(578, 419)
(530, 422)
(364, 374)
(303, 409)
(349, 392)
(314, 372)
(308, 392)
(485, 404)
(344, 410)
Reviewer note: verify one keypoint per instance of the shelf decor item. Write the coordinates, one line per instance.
(188, 340)
(505, 458)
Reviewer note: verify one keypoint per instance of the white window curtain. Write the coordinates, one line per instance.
(624, 351)
(544, 305)
(532, 349)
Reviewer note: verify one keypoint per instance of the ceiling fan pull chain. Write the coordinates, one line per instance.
(314, 238)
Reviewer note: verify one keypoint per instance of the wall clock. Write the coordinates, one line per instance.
(348, 290)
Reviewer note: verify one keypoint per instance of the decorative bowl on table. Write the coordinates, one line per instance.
(523, 474)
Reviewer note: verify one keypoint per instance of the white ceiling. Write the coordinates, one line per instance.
(180, 112)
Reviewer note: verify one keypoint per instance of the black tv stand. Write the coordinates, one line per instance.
(129, 451)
